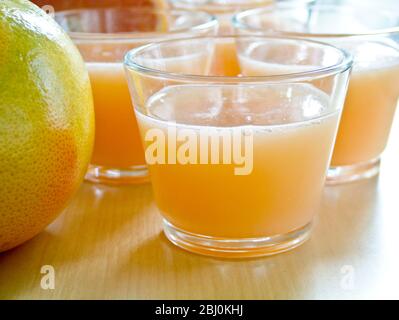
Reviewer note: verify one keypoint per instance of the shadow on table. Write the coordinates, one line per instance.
(94, 218)
(311, 271)
(349, 216)
(132, 257)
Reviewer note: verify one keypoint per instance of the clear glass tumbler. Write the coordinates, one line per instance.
(222, 9)
(372, 36)
(238, 164)
(104, 36)
(225, 63)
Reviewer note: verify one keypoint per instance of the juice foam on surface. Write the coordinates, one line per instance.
(373, 55)
(290, 160)
(265, 59)
(225, 106)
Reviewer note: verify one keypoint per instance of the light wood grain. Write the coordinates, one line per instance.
(108, 245)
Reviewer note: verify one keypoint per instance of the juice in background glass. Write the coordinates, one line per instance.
(373, 39)
(225, 63)
(291, 123)
(223, 10)
(103, 36)
(117, 141)
(370, 104)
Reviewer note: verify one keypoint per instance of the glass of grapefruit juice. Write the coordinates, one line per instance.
(103, 36)
(225, 62)
(238, 163)
(372, 37)
(222, 9)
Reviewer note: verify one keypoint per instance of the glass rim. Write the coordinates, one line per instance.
(344, 64)
(238, 24)
(288, 124)
(211, 21)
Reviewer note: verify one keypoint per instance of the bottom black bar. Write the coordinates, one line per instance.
(158, 309)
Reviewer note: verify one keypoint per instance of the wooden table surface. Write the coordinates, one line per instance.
(108, 244)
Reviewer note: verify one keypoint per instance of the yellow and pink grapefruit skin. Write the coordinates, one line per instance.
(46, 121)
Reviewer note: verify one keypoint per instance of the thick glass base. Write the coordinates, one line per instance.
(359, 171)
(236, 248)
(106, 175)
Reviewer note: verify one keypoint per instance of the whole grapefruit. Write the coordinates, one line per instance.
(46, 121)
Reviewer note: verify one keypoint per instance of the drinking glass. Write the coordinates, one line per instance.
(222, 9)
(225, 63)
(238, 163)
(372, 36)
(103, 36)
